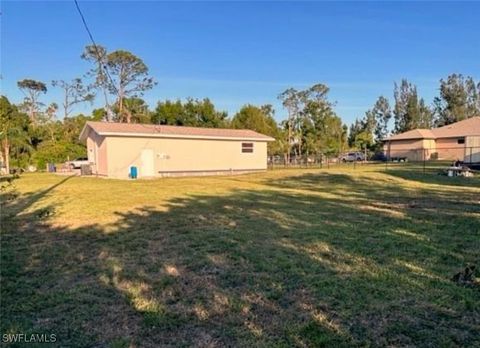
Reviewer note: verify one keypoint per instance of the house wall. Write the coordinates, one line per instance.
(442, 149)
(102, 156)
(97, 153)
(413, 149)
(172, 156)
(429, 148)
(472, 154)
(449, 149)
(91, 150)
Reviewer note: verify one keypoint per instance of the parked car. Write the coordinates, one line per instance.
(352, 157)
(379, 156)
(78, 162)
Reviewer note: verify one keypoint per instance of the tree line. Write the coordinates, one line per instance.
(458, 99)
(33, 134)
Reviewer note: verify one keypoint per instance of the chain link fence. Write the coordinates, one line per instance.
(299, 161)
(395, 156)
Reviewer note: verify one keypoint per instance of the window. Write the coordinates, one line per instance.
(461, 141)
(247, 147)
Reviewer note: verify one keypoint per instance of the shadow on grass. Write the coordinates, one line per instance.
(313, 260)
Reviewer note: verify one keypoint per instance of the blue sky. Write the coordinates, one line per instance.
(248, 52)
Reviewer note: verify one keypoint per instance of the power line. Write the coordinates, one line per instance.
(95, 47)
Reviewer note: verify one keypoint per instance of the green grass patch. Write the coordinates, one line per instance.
(314, 257)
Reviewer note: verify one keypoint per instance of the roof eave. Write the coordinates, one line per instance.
(183, 136)
(456, 136)
(84, 133)
(413, 138)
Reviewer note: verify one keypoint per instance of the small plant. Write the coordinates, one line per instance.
(466, 277)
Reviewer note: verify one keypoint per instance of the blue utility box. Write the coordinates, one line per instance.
(133, 172)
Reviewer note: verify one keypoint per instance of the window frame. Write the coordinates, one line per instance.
(247, 147)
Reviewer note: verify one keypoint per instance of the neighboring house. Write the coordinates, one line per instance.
(460, 140)
(158, 150)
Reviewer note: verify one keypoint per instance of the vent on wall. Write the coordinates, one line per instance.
(247, 147)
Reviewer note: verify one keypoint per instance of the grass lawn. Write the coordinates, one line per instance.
(308, 258)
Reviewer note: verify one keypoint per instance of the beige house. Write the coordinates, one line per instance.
(158, 150)
(460, 140)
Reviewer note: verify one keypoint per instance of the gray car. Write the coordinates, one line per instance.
(352, 157)
(78, 162)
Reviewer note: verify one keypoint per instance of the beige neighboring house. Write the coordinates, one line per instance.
(460, 140)
(158, 150)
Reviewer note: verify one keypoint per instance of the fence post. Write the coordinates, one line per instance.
(424, 161)
(389, 153)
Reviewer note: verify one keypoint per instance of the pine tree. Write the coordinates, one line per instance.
(382, 113)
(459, 99)
(410, 112)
